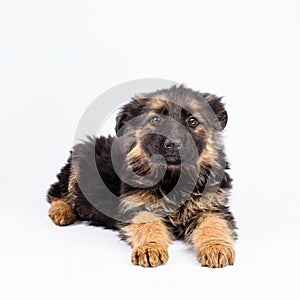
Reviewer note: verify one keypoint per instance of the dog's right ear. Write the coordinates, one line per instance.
(121, 119)
(127, 113)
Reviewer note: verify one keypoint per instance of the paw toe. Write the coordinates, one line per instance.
(216, 255)
(149, 256)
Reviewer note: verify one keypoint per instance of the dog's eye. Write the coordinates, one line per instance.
(156, 120)
(192, 122)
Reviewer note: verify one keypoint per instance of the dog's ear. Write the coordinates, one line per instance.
(218, 107)
(128, 112)
(121, 119)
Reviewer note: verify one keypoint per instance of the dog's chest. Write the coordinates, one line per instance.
(186, 212)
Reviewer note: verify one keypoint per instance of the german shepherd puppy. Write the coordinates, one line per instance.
(162, 177)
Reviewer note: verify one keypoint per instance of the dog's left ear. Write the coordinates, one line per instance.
(218, 107)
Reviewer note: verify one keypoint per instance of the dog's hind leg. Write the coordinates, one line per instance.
(61, 212)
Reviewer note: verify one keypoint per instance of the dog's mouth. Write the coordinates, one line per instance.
(172, 160)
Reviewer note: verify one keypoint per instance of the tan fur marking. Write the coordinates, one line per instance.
(61, 213)
(157, 103)
(73, 180)
(207, 155)
(137, 199)
(145, 217)
(213, 242)
(199, 130)
(193, 105)
(72, 192)
(149, 242)
(136, 151)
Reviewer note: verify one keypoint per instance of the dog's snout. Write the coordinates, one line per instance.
(173, 144)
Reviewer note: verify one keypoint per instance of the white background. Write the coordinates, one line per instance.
(58, 56)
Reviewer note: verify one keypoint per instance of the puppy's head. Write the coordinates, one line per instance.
(175, 127)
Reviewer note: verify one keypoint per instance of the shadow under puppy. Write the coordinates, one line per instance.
(161, 178)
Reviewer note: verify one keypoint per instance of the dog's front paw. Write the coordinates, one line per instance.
(217, 254)
(150, 255)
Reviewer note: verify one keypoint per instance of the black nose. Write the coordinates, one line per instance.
(173, 143)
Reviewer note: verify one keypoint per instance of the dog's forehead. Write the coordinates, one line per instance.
(175, 108)
(176, 102)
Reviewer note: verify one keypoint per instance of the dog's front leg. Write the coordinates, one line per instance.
(213, 240)
(149, 238)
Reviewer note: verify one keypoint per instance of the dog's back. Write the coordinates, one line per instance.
(69, 202)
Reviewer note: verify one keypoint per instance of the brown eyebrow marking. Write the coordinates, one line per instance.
(192, 106)
(157, 103)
